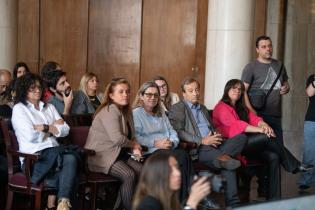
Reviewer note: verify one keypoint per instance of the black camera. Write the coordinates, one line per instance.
(217, 181)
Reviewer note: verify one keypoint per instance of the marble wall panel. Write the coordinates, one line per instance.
(8, 33)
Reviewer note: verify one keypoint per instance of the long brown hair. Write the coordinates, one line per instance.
(154, 181)
(157, 110)
(168, 100)
(110, 89)
(240, 106)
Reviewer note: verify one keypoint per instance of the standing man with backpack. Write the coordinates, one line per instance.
(265, 81)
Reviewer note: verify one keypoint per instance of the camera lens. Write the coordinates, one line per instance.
(217, 181)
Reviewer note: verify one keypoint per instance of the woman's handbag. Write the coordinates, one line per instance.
(258, 97)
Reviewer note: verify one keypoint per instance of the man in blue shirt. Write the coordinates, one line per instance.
(192, 122)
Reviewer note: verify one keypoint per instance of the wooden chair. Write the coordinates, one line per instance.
(18, 181)
(78, 136)
(78, 119)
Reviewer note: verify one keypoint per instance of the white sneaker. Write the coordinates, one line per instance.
(64, 204)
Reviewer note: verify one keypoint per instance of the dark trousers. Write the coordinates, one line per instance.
(275, 123)
(257, 143)
(273, 174)
(271, 151)
(268, 175)
(232, 147)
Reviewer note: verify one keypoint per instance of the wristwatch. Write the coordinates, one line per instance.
(186, 207)
(46, 128)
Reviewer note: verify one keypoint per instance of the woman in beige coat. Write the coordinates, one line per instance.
(112, 137)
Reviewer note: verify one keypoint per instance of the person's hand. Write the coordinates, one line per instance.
(214, 140)
(137, 149)
(285, 88)
(59, 122)
(163, 144)
(169, 144)
(199, 190)
(269, 131)
(266, 129)
(136, 146)
(137, 152)
(68, 99)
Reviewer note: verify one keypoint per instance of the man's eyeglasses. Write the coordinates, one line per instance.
(151, 95)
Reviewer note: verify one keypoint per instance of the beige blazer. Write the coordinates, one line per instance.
(107, 135)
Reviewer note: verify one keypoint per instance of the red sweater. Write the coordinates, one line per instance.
(227, 121)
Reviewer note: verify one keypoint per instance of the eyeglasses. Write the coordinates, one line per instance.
(163, 86)
(151, 95)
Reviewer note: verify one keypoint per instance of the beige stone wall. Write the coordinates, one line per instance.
(8, 33)
(299, 59)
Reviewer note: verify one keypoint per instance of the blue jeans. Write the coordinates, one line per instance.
(275, 124)
(307, 178)
(67, 177)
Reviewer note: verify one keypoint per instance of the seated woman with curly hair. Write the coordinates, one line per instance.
(37, 125)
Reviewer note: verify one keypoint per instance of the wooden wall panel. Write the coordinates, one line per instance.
(169, 40)
(260, 22)
(114, 40)
(28, 33)
(201, 44)
(63, 36)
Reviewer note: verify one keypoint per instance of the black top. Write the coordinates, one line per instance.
(5, 111)
(310, 114)
(150, 203)
(94, 101)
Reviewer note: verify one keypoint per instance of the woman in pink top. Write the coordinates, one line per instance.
(231, 117)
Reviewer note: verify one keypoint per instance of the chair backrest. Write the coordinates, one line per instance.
(78, 135)
(79, 119)
(11, 143)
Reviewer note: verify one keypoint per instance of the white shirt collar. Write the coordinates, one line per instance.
(41, 105)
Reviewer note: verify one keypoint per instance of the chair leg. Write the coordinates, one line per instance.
(94, 196)
(9, 200)
(38, 200)
(81, 202)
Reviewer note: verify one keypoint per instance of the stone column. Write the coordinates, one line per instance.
(275, 26)
(8, 33)
(229, 44)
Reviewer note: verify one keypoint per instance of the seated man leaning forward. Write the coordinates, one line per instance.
(37, 125)
(192, 122)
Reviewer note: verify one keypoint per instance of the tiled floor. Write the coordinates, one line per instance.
(289, 188)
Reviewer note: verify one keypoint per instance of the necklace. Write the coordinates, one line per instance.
(92, 98)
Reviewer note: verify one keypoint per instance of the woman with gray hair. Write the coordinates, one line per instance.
(153, 130)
